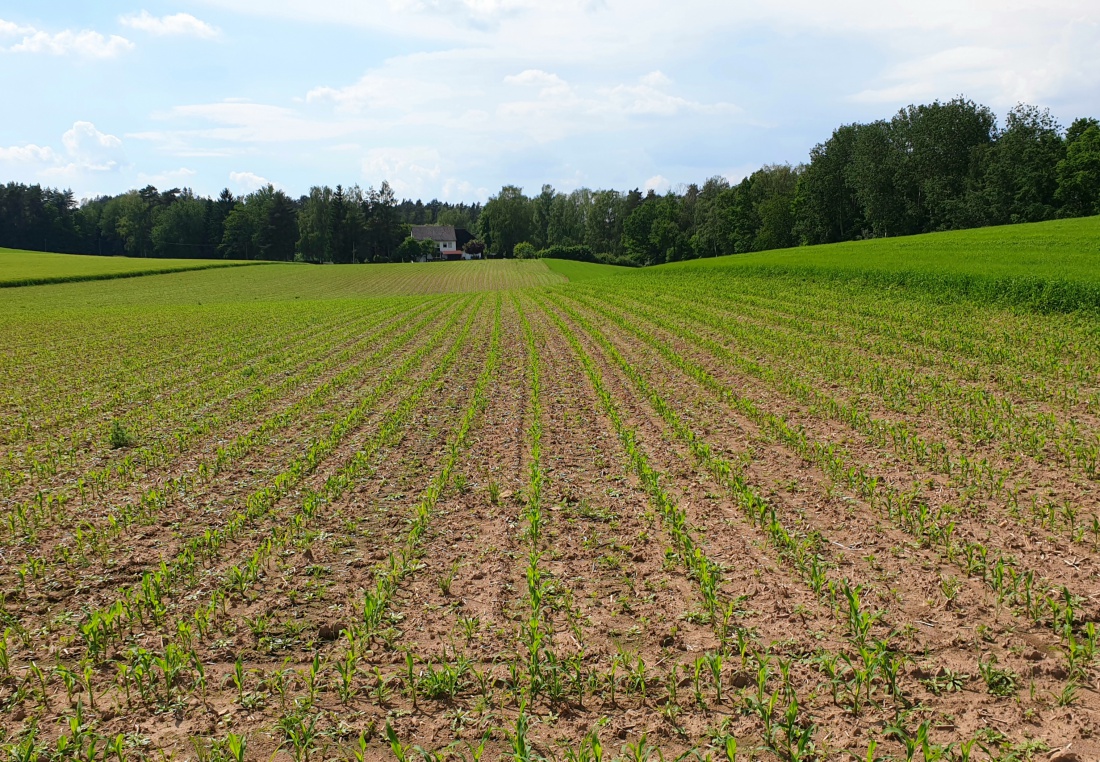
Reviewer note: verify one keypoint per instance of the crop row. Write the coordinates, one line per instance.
(1037, 598)
(147, 600)
(97, 540)
(186, 398)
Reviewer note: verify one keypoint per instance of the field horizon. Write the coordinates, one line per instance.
(1045, 265)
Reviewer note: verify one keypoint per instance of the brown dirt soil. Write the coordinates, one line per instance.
(512, 623)
(905, 578)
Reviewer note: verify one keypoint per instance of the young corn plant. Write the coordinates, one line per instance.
(300, 734)
(346, 669)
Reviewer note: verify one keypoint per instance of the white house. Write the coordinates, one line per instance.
(443, 235)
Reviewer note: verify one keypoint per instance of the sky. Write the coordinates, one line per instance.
(452, 99)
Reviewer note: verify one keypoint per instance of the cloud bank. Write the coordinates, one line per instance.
(179, 24)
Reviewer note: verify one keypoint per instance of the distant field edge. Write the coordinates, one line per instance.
(577, 272)
(81, 277)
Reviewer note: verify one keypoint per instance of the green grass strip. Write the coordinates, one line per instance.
(50, 279)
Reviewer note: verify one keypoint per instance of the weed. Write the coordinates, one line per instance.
(119, 436)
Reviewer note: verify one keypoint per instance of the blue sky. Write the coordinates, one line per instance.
(453, 98)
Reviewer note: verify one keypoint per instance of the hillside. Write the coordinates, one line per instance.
(1046, 265)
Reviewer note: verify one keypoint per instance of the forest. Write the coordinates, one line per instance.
(940, 166)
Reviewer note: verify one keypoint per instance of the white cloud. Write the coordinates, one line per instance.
(656, 79)
(92, 149)
(434, 19)
(477, 13)
(181, 177)
(86, 150)
(422, 121)
(464, 190)
(1006, 70)
(645, 99)
(28, 154)
(415, 99)
(550, 85)
(11, 29)
(411, 171)
(247, 182)
(563, 109)
(179, 24)
(600, 92)
(246, 122)
(85, 158)
(1047, 45)
(378, 91)
(85, 43)
(657, 184)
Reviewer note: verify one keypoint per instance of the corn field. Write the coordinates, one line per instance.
(686, 514)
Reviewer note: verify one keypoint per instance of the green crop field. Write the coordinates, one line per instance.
(284, 282)
(820, 504)
(24, 268)
(1047, 265)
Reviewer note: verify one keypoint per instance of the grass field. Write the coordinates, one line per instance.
(306, 513)
(25, 268)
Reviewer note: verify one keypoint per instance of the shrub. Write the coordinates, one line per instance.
(409, 250)
(119, 437)
(576, 253)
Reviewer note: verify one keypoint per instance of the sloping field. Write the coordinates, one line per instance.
(716, 513)
(1049, 266)
(25, 268)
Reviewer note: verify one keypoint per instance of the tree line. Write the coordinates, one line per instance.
(939, 166)
(345, 225)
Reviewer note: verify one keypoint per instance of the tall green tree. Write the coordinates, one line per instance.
(1079, 172)
(179, 230)
(217, 210)
(338, 242)
(773, 194)
(277, 233)
(263, 226)
(1021, 170)
(936, 146)
(385, 228)
(713, 221)
(604, 222)
(873, 174)
(652, 234)
(313, 227)
(541, 212)
(506, 220)
(568, 213)
(131, 215)
(826, 207)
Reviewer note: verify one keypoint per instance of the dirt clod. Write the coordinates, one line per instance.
(1066, 756)
(330, 631)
